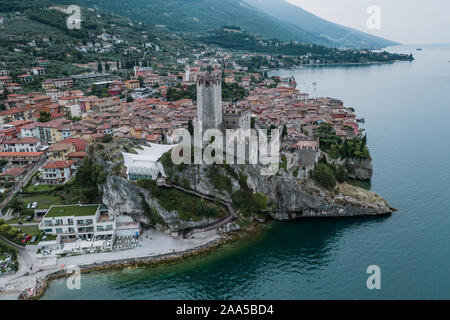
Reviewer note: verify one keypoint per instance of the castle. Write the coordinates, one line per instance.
(210, 111)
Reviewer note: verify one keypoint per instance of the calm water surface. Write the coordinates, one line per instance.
(407, 110)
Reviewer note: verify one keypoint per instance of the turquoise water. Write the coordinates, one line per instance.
(407, 108)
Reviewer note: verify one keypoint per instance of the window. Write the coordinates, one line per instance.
(58, 230)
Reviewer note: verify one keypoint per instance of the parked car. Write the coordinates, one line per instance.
(33, 239)
(28, 237)
(34, 205)
(29, 205)
(29, 218)
(20, 222)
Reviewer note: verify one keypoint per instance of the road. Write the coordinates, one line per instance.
(32, 170)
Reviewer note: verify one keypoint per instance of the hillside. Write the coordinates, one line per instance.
(337, 35)
(270, 20)
(200, 16)
(236, 39)
(32, 31)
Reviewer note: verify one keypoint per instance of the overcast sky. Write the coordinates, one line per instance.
(405, 21)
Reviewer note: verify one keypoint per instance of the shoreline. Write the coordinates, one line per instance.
(336, 64)
(43, 281)
(116, 265)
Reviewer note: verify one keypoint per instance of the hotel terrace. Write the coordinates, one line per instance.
(73, 222)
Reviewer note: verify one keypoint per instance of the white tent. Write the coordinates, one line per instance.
(145, 162)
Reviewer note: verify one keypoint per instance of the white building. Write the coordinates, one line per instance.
(30, 130)
(27, 144)
(58, 172)
(73, 222)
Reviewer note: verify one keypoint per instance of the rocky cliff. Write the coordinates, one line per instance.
(359, 169)
(288, 198)
(124, 197)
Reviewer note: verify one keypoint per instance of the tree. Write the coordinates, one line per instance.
(252, 122)
(44, 116)
(130, 98)
(4, 94)
(107, 138)
(87, 179)
(190, 127)
(341, 174)
(284, 133)
(323, 175)
(99, 66)
(16, 205)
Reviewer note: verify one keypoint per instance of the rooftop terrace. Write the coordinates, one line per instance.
(72, 210)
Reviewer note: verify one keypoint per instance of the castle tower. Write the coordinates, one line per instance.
(209, 100)
(187, 73)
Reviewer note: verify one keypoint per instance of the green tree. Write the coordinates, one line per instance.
(284, 133)
(16, 205)
(44, 116)
(323, 175)
(107, 138)
(190, 127)
(252, 122)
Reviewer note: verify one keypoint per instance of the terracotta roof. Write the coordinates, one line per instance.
(80, 144)
(80, 154)
(16, 171)
(59, 164)
(12, 154)
(21, 140)
(60, 146)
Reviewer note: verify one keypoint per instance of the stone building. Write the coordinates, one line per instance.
(209, 100)
(235, 117)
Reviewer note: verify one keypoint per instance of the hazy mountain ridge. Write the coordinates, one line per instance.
(337, 34)
(268, 18)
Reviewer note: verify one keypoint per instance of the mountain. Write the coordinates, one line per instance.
(199, 16)
(338, 35)
(275, 19)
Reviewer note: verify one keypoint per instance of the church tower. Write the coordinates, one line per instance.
(209, 100)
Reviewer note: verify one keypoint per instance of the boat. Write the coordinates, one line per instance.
(419, 49)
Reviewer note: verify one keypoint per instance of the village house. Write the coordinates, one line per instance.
(57, 83)
(11, 115)
(229, 79)
(132, 84)
(60, 151)
(30, 130)
(21, 157)
(27, 144)
(38, 71)
(25, 78)
(11, 175)
(58, 172)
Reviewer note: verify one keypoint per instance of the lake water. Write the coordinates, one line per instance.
(406, 106)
